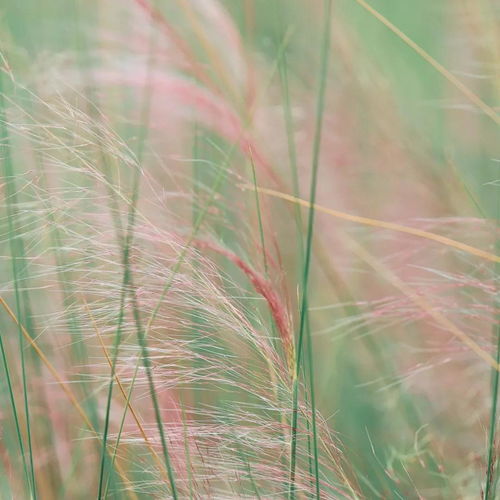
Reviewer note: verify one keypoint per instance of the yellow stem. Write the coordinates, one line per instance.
(469, 94)
(64, 386)
(366, 221)
(125, 397)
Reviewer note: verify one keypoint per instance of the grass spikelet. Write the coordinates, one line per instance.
(265, 289)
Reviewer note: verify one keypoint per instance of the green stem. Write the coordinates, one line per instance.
(15, 242)
(490, 493)
(307, 264)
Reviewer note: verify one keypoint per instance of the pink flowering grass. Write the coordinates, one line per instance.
(248, 250)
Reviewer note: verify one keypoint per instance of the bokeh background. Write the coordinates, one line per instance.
(177, 320)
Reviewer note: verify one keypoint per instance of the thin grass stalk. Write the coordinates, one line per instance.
(119, 328)
(149, 374)
(259, 218)
(47, 430)
(187, 451)
(142, 334)
(292, 158)
(129, 406)
(13, 406)
(367, 221)
(125, 242)
(63, 385)
(244, 458)
(492, 463)
(64, 281)
(290, 132)
(17, 253)
(264, 252)
(128, 286)
(325, 49)
(422, 303)
(196, 180)
(471, 96)
(14, 248)
(92, 110)
(287, 351)
(197, 225)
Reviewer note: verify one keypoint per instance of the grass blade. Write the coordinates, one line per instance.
(325, 49)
